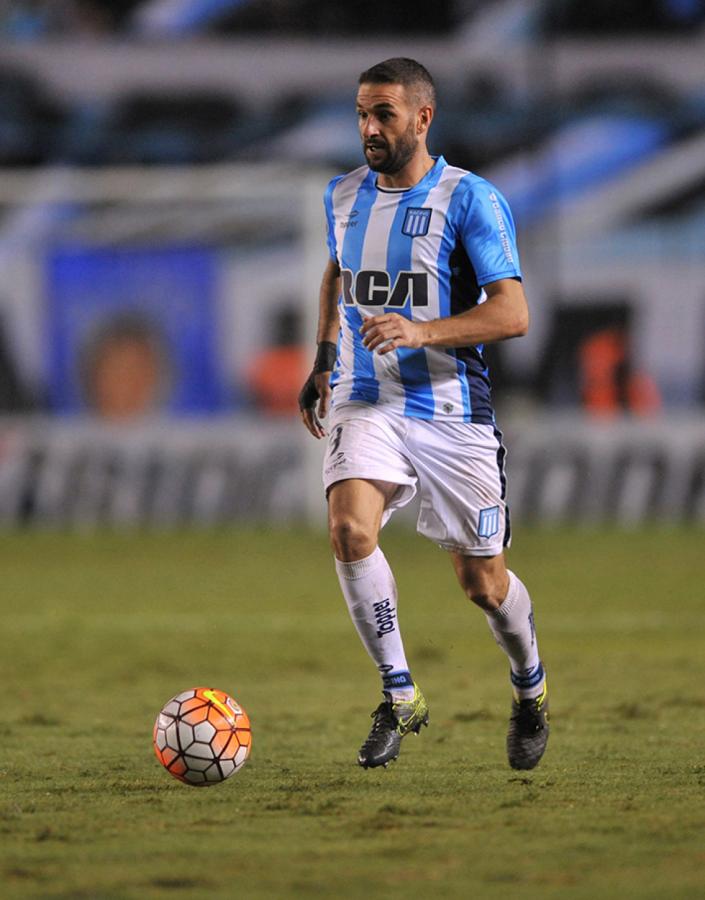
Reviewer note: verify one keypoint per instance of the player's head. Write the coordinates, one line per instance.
(396, 100)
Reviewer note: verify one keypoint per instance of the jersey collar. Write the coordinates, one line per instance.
(430, 177)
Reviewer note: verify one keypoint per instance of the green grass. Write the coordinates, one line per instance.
(99, 631)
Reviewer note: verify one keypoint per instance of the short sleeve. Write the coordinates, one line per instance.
(488, 234)
(330, 220)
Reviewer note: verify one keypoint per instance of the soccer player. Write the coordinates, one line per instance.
(423, 272)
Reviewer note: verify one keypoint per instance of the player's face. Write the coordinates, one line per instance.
(388, 127)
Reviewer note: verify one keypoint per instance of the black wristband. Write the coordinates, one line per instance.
(309, 396)
(325, 357)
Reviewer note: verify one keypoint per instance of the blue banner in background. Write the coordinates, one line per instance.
(133, 331)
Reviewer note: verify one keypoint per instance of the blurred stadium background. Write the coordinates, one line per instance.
(161, 240)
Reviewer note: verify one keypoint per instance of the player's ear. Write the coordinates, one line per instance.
(424, 117)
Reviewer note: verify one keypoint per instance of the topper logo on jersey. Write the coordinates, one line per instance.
(373, 287)
(351, 221)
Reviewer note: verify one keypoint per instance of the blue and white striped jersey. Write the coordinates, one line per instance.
(424, 252)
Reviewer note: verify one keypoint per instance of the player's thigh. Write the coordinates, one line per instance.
(359, 500)
(365, 445)
(461, 485)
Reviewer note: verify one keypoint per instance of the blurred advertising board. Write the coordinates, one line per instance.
(83, 472)
(132, 331)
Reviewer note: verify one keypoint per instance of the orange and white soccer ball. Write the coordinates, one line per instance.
(202, 736)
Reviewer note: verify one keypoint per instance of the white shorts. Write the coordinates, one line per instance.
(457, 468)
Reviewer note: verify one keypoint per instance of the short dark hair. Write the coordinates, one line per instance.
(407, 72)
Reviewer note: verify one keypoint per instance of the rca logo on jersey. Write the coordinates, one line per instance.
(416, 221)
(373, 287)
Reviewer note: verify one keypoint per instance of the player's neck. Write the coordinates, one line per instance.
(416, 169)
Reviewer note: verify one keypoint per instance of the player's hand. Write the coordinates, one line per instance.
(315, 392)
(387, 332)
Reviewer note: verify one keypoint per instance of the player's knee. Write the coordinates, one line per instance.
(350, 538)
(486, 589)
(487, 600)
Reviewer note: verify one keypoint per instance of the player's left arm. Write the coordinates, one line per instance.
(504, 314)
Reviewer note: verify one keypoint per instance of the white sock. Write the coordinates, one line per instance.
(371, 595)
(513, 628)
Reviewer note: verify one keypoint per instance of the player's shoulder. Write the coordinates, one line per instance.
(472, 196)
(467, 182)
(342, 185)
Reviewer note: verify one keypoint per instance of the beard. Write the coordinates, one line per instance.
(395, 156)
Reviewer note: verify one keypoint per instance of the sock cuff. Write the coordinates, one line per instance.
(510, 601)
(528, 678)
(360, 567)
(397, 680)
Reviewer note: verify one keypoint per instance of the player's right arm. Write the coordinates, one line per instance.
(314, 399)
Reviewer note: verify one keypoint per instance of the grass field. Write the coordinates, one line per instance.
(99, 631)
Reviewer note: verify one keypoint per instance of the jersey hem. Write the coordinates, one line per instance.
(484, 419)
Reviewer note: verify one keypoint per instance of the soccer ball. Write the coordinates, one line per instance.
(202, 737)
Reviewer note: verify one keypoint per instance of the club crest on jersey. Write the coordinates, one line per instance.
(488, 523)
(416, 221)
